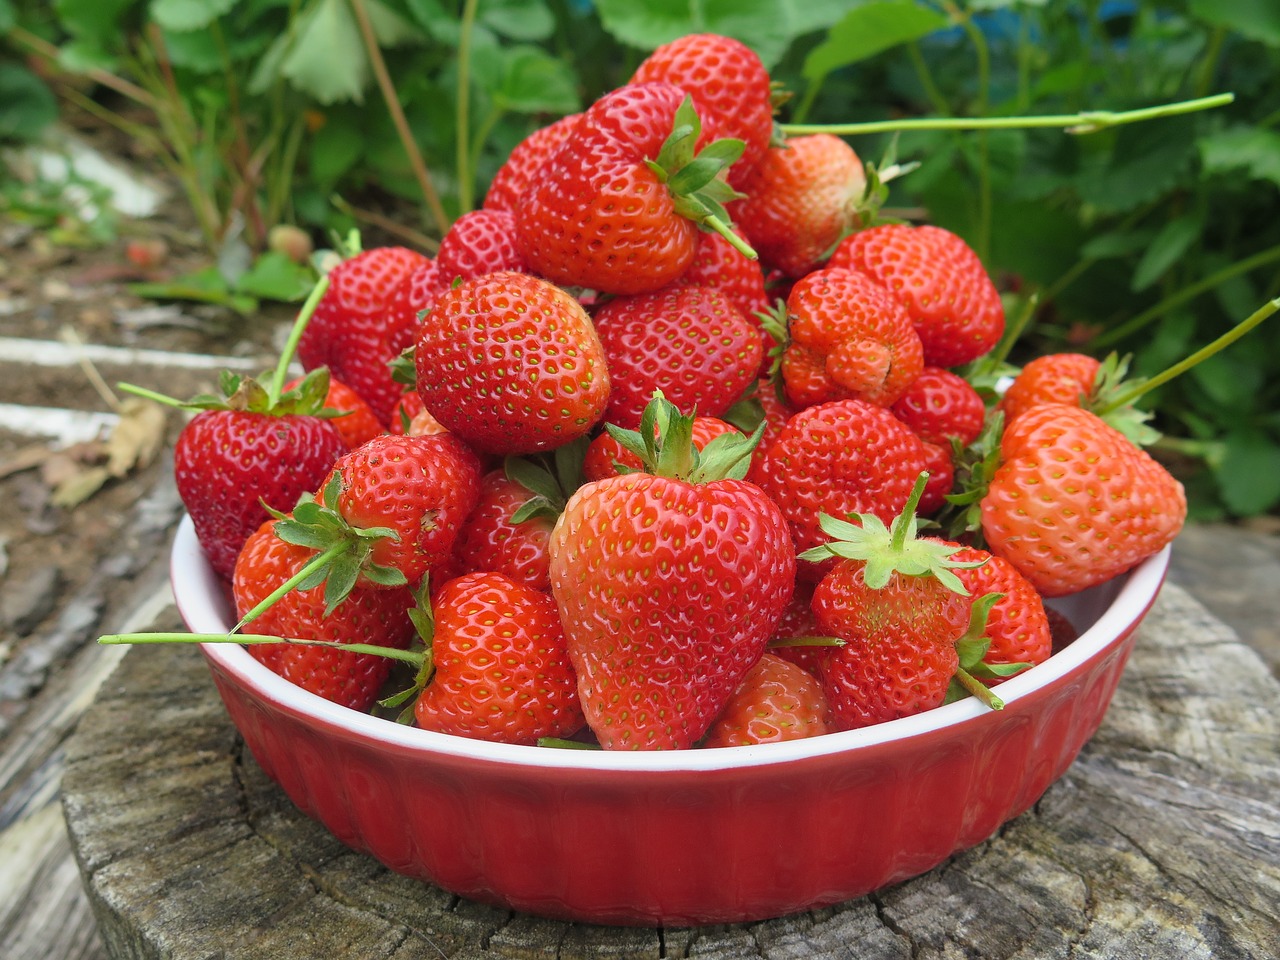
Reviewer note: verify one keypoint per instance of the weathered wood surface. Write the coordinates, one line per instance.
(1161, 841)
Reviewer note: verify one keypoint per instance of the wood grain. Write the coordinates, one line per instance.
(1161, 841)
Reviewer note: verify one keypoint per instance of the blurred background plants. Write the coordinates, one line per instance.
(1152, 238)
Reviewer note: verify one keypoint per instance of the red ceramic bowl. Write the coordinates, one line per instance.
(681, 837)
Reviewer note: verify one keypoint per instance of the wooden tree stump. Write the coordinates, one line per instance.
(1161, 841)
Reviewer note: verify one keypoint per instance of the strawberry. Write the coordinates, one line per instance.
(776, 701)
(942, 473)
(356, 421)
(940, 406)
(837, 458)
(687, 341)
(616, 209)
(248, 453)
(510, 527)
(605, 455)
(479, 242)
(1052, 378)
(511, 364)
(1016, 628)
(847, 338)
(416, 293)
(896, 601)
(939, 279)
(718, 263)
(801, 199)
(388, 512)
(1074, 502)
(798, 622)
(349, 331)
(376, 617)
(524, 163)
(731, 90)
(501, 670)
(669, 584)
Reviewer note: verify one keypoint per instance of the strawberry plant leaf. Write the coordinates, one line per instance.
(1166, 249)
(182, 16)
(870, 29)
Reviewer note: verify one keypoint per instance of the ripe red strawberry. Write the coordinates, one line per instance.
(731, 90)
(801, 199)
(524, 163)
(847, 338)
(1074, 502)
(616, 209)
(798, 621)
(605, 453)
(718, 264)
(668, 589)
(939, 279)
(357, 424)
(1052, 378)
(837, 458)
(376, 617)
(420, 488)
(349, 331)
(687, 341)
(1017, 627)
(414, 295)
(509, 529)
(511, 364)
(942, 474)
(940, 406)
(501, 669)
(895, 600)
(248, 450)
(479, 242)
(776, 701)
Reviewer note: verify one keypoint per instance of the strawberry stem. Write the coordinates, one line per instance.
(115, 639)
(978, 689)
(319, 562)
(719, 226)
(1088, 121)
(1204, 353)
(295, 336)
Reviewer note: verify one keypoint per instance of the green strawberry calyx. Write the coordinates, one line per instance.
(695, 178)
(972, 648)
(550, 479)
(893, 549)
(664, 444)
(342, 551)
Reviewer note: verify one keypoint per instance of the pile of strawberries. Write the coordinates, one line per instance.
(607, 477)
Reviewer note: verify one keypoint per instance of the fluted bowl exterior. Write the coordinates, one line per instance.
(679, 837)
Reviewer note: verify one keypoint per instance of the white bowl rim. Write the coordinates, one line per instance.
(202, 608)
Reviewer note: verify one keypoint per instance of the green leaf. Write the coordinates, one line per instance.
(185, 15)
(327, 59)
(1255, 19)
(274, 276)
(518, 19)
(27, 106)
(389, 27)
(533, 477)
(335, 148)
(1249, 475)
(96, 22)
(202, 286)
(1253, 150)
(1145, 160)
(1118, 243)
(1169, 245)
(7, 16)
(534, 82)
(767, 26)
(868, 30)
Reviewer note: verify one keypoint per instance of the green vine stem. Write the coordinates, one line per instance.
(119, 639)
(465, 172)
(1087, 121)
(1204, 353)
(387, 87)
(1190, 292)
(295, 336)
